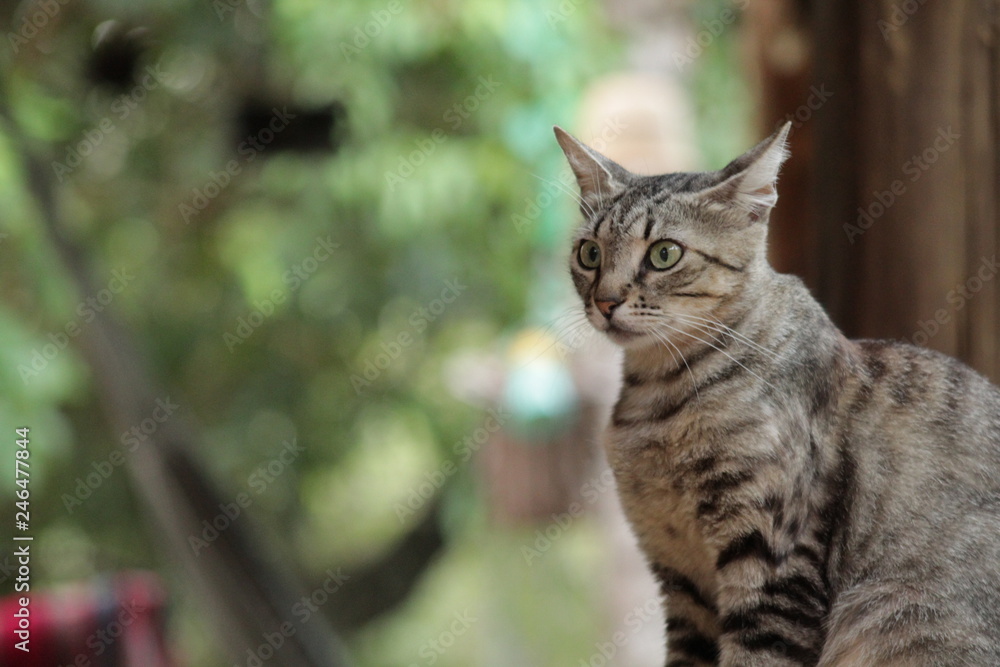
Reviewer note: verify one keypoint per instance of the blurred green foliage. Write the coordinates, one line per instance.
(513, 68)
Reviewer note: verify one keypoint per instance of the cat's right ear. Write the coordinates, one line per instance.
(750, 182)
(598, 177)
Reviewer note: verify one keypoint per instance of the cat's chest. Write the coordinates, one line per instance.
(662, 509)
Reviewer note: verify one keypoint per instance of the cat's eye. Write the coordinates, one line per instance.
(590, 255)
(665, 254)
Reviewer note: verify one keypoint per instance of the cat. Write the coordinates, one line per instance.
(801, 498)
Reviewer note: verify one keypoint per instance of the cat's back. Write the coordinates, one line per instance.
(919, 440)
(915, 408)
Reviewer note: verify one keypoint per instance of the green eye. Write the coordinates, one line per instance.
(665, 254)
(590, 255)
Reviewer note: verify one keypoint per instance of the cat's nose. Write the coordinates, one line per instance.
(607, 306)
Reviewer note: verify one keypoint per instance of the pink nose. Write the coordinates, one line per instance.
(607, 307)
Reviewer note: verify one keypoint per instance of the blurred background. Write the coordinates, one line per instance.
(286, 315)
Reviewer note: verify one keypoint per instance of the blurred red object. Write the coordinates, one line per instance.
(115, 621)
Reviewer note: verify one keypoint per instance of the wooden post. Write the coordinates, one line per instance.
(907, 175)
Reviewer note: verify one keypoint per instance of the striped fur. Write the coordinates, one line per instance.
(803, 499)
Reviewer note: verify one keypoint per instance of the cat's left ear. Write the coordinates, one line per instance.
(750, 181)
(599, 177)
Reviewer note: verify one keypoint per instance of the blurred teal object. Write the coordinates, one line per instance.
(539, 392)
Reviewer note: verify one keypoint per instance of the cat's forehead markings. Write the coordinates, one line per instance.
(637, 210)
(639, 215)
(682, 183)
(614, 209)
(650, 221)
(609, 210)
(626, 221)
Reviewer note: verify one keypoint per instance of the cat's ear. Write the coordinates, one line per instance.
(598, 177)
(750, 181)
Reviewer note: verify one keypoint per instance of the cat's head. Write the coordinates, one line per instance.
(661, 257)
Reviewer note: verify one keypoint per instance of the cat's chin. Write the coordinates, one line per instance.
(625, 337)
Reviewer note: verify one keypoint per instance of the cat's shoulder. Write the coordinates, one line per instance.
(885, 357)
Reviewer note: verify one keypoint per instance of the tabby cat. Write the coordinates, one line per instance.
(802, 499)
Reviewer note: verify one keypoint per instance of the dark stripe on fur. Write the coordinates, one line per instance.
(682, 274)
(672, 581)
(662, 414)
(680, 624)
(723, 482)
(727, 373)
(862, 399)
(775, 643)
(842, 487)
(697, 295)
(703, 465)
(633, 380)
(697, 646)
(711, 507)
(799, 590)
(751, 545)
(669, 411)
(693, 359)
(808, 554)
(715, 260)
(750, 619)
(731, 428)
(600, 222)
(650, 221)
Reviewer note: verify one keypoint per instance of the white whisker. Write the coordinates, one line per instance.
(568, 191)
(719, 327)
(717, 349)
(600, 194)
(572, 334)
(670, 346)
